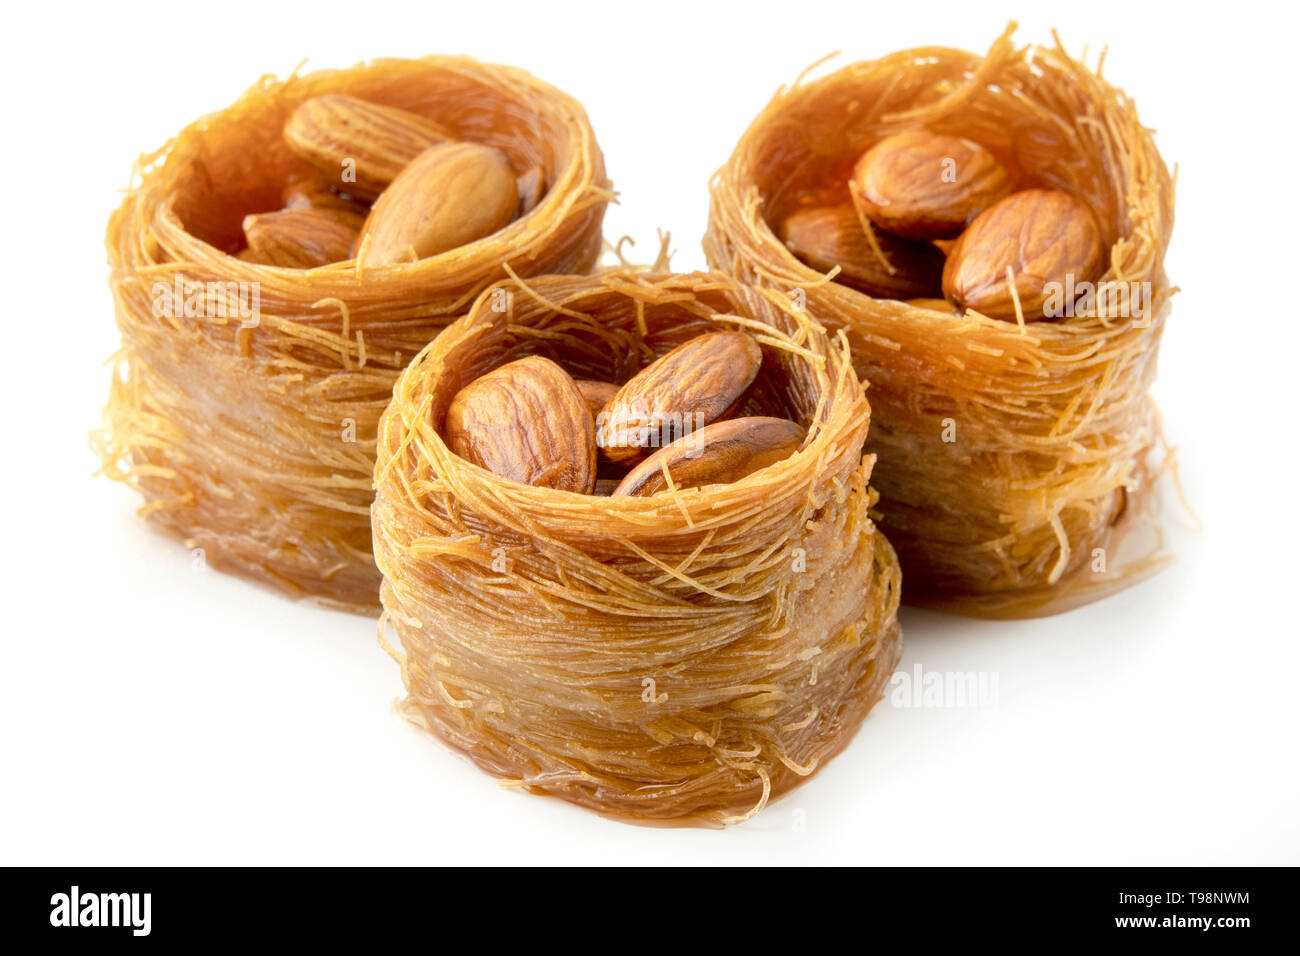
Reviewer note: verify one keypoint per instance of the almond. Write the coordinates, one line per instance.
(823, 237)
(596, 394)
(695, 384)
(532, 187)
(300, 238)
(1044, 237)
(716, 454)
(526, 421)
(359, 146)
(923, 185)
(448, 196)
(311, 191)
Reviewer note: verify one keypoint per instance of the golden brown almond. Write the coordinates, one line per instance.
(716, 454)
(923, 185)
(695, 384)
(310, 191)
(824, 237)
(300, 238)
(532, 187)
(448, 196)
(1050, 242)
(596, 394)
(359, 146)
(346, 211)
(526, 421)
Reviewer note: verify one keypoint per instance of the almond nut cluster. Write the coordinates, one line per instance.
(395, 183)
(930, 214)
(673, 421)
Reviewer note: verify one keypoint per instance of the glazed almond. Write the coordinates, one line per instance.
(923, 185)
(595, 393)
(310, 191)
(695, 384)
(823, 237)
(1044, 236)
(448, 196)
(300, 238)
(532, 187)
(716, 454)
(526, 421)
(359, 146)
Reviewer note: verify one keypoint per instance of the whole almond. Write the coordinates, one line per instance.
(1045, 237)
(526, 421)
(532, 187)
(448, 196)
(595, 393)
(924, 185)
(300, 238)
(695, 384)
(310, 191)
(716, 454)
(823, 237)
(359, 146)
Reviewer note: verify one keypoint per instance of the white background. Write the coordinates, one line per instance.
(152, 714)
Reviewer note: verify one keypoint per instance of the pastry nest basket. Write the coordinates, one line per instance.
(245, 397)
(1015, 460)
(679, 658)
